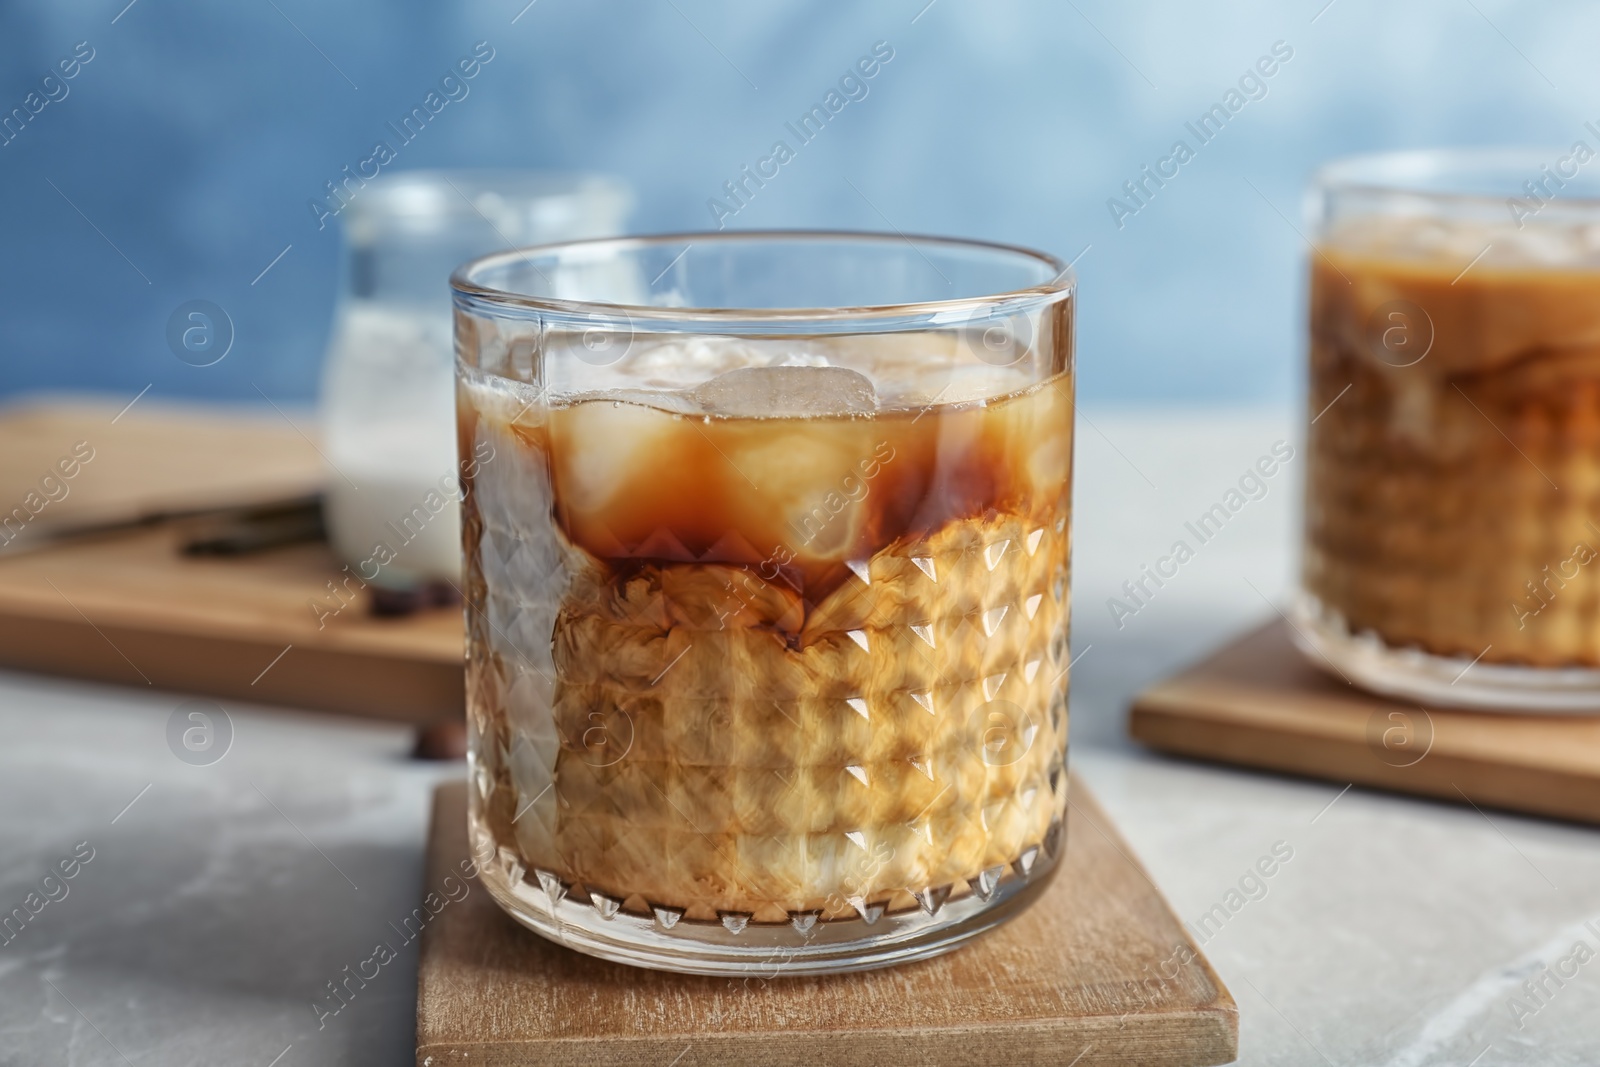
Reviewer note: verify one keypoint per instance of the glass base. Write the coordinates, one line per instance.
(568, 915)
(1457, 682)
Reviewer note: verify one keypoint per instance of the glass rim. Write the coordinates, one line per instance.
(1405, 171)
(464, 286)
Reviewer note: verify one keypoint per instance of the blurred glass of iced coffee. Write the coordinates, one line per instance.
(1451, 550)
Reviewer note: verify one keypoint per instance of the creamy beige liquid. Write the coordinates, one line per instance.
(768, 667)
(1452, 503)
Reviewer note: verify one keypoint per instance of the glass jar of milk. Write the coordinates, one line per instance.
(388, 393)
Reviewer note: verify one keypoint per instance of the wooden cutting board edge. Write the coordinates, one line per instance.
(230, 667)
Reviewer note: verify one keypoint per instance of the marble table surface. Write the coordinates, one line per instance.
(209, 905)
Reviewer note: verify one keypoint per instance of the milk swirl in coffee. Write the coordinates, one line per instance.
(1451, 499)
(771, 631)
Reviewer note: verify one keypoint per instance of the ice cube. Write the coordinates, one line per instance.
(599, 450)
(787, 391)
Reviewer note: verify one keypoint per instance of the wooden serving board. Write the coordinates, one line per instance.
(155, 457)
(1260, 703)
(129, 608)
(1076, 979)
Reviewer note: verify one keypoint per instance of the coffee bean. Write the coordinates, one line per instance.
(442, 740)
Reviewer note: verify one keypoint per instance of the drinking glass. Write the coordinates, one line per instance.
(767, 543)
(1454, 428)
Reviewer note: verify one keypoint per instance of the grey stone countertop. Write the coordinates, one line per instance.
(209, 906)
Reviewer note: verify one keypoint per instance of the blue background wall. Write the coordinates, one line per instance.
(195, 137)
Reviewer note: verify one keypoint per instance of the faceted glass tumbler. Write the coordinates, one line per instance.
(767, 575)
(1451, 521)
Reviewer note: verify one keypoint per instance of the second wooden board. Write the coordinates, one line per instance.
(285, 626)
(1260, 703)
